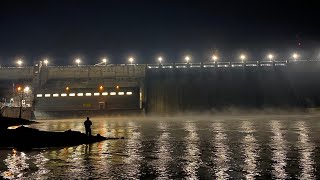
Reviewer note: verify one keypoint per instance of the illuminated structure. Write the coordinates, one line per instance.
(122, 87)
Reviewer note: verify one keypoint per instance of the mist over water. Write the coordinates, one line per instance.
(188, 147)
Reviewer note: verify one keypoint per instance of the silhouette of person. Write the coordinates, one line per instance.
(87, 125)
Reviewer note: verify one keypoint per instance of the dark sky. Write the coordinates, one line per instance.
(62, 30)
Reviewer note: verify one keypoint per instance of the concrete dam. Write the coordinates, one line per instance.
(162, 88)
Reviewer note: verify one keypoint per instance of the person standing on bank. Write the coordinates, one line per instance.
(87, 125)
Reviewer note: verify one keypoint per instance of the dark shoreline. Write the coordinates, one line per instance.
(6, 122)
(28, 138)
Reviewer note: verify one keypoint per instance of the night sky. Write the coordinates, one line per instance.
(63, 30)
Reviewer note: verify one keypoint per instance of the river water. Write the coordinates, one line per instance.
(189, 147)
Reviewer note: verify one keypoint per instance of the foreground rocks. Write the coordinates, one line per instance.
(28, 138)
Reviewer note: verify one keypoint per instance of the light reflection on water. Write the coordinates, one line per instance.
(133, 159)
(221, 153)
(192, 151)
(279, 150)
(163, 152)
(156, 148)
(19, 167)
(250, 150)
(306, 148)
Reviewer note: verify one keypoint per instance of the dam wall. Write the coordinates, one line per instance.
(16, 73)
(165, 88)
(190, 89)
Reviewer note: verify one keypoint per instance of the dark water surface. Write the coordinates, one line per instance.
(206, 147)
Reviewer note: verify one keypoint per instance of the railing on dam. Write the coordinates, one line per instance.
(226, 64)
(130, 70)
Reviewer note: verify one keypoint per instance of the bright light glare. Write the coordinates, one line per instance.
(131, 60)
(46, 61)
(160, 59)
(26, 89)
(214, 57)
(104, 60)
(242, 57)
(295, 56)
(187, 58)
(19, 62)
(270, 56)
(78, 61)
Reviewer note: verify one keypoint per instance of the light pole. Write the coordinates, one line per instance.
(270, 56)
(242, 57)
(214, 58)
(131, 60)
(104, 60)
(78, 61)
(22, 93)
(46, 62)
(160, 59)
(295, 56)
(187, 58)
(19, 62)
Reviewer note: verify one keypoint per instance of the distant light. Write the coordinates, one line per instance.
(46, 62)
(67, 88)
(270, 56)
(101, 87)
(19, 62)
(295, 56)
(117, 87)
(104, 60)
(187, 58)
(78, 61)
(19, 88)
(160, 59)
(131, 60)
(26, 89)
(242, 57)
(214, 57)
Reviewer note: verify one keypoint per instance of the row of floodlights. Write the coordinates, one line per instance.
(187, 58)
(84, 94)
